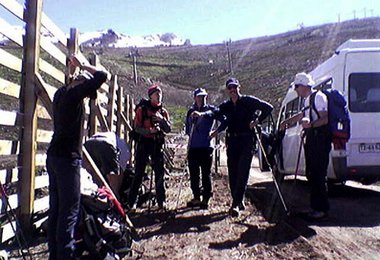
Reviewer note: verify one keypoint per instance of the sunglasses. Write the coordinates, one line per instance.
(229, 87)
(297, 86)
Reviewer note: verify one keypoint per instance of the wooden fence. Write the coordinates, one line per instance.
(31, 69)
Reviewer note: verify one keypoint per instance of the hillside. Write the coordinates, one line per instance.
(265, 65)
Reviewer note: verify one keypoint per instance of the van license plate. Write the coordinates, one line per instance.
(369, 148)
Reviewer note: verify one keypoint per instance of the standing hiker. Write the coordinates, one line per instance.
(240, 112)
(314, 120)
(64, 156)
(152, 124)
(200, 148)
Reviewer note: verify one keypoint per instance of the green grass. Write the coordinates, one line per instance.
(177, 117)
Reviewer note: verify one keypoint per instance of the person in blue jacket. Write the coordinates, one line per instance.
(200, 148)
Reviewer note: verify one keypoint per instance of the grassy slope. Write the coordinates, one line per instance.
(265, 66)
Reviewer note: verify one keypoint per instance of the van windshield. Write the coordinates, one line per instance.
(364, 92)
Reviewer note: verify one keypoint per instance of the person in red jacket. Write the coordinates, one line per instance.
(152, 123)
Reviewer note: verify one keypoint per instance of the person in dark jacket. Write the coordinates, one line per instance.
(200, 148)
(152, 123)
(64, 156)
(240, 112)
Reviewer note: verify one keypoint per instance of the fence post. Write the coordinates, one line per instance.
(72, 47)
(111, 102)
(28, 105)
(120, 99)
(127, 117)
(94, 60)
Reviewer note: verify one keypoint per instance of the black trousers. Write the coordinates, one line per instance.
(317, 151)
(240, 151)
(145, 149)
(200, 160)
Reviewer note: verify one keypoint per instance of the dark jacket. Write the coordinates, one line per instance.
(68, 116)
(240, 115)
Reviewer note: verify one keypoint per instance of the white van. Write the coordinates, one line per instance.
(354, 70)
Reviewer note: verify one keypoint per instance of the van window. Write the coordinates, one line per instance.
(364, 92)
(292, 108)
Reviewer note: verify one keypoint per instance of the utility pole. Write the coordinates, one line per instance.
(228, 44)
(133, 54)
(354, 14)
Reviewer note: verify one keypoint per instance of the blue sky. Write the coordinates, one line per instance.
(203, 21)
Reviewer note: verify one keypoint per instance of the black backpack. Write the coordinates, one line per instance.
(101, 228)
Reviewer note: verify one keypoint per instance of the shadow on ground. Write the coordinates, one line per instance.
(349, 206)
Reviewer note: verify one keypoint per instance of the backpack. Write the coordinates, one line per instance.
(102, 229)
(133, 135)
(144, 104)
(338, 117)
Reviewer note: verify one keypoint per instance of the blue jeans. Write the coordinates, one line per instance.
(64, 193)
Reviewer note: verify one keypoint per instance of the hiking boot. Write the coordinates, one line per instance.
(241, 205)
(317, 215)
(161, 206)
(204, 204)
(194, 203)
(234, 212)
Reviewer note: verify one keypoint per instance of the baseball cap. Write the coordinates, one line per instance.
(303, 79)
(200, 92)
(152, 89)
(232, 81)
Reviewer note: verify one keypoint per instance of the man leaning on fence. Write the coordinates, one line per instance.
(152, 124)
(199, 123)
(64, 155)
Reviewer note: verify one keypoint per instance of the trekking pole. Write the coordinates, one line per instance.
(180, 186)
(19, 234)
(299, 155)
(150, 189)
(277, 186)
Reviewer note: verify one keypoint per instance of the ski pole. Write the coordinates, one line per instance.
(19, 234)
(299, 155)
(277, 186)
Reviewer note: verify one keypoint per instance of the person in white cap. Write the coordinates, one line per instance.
(200, 148)
(314, 120)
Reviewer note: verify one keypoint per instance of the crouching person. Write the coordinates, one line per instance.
(111, 155)
(151, 123)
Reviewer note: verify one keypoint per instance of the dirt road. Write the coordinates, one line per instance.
(263, 231)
